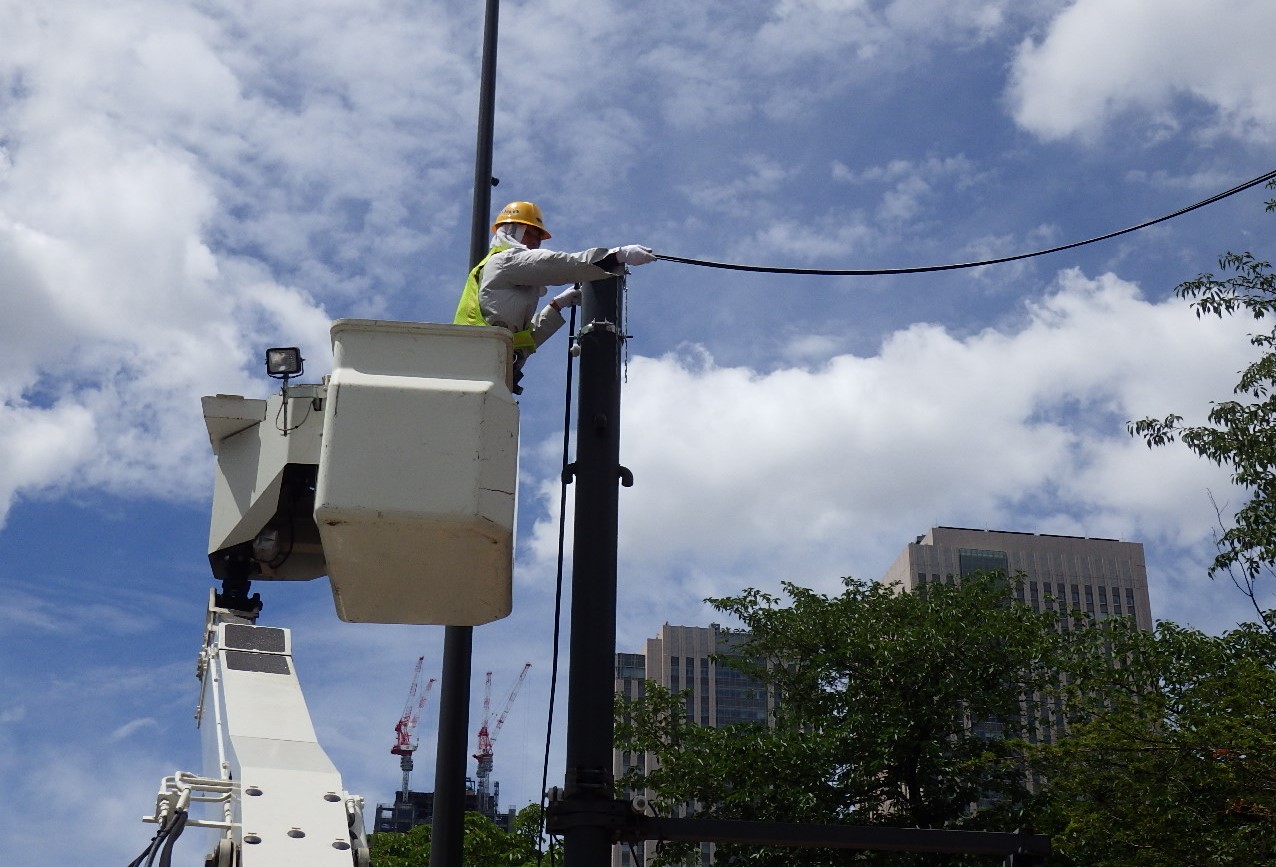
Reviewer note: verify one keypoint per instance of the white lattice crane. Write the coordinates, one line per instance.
(486, 737)
(405, 742)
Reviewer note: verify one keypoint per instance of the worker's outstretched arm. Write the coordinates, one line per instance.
(547, 268)
(510, 276)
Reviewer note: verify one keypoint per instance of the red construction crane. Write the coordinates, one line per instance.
(486, 738)
(405, 729)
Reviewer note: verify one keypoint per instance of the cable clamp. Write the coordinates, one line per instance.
(604, 325)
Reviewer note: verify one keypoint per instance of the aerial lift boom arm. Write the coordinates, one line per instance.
(277, 799)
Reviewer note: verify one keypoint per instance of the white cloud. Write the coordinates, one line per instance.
(171, 203)
(912, 183)
(805, 31)
(759, 176)
(714, 64)
(698, 90)
(745, 476)
(78, 822)
(812, 348)
(1103, 59)
(132, 727)
(943, 19)
(42, 446)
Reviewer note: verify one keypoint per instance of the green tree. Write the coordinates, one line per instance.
(484, 845)
(1240, 433)
(409, 849)
(915, 709)
(895, 708)
(1171, 756)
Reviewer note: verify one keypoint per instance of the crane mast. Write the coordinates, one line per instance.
(405, 742)
(486, 737)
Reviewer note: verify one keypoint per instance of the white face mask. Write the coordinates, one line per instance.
(509, 235)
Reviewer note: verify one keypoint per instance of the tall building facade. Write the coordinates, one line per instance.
(681, 659)
(1102, 577)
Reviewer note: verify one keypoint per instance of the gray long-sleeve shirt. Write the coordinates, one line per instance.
(514, 280)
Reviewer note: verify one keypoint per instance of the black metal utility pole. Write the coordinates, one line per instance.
(481, 214)
(597, 471)
(447, 835)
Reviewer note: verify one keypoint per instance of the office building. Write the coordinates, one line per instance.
(411, 809)
(679, 659)
(1102, 577)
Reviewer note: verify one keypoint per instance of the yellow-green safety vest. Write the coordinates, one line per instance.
(468, 311)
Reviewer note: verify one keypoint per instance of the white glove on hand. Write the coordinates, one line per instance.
(567, 298)
(634, 254)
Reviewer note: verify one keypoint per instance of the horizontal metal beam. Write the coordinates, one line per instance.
(844, 836)
(622, 822)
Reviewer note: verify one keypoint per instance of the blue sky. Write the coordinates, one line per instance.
(183, 184)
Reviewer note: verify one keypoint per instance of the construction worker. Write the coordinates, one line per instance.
(506, 286)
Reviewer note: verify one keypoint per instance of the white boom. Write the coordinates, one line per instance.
(277, 798)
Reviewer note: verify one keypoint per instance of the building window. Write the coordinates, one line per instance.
(704, 692)
(691, 685)
(739, 698)
(975, 560)
(631, 665)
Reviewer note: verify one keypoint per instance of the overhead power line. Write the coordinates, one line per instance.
(922, 269)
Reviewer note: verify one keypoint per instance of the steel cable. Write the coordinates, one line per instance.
(923, 269)
(558, 584)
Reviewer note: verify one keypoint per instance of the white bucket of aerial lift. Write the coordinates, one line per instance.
(417, 473)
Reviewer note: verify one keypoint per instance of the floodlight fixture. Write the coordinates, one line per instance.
(284, 362)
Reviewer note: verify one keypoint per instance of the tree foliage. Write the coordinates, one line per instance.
(1171, 756)
(895, 708)
(1241, 433)
(484, 844)
(914, 710)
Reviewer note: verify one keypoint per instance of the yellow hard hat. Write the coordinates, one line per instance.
(526, 213)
